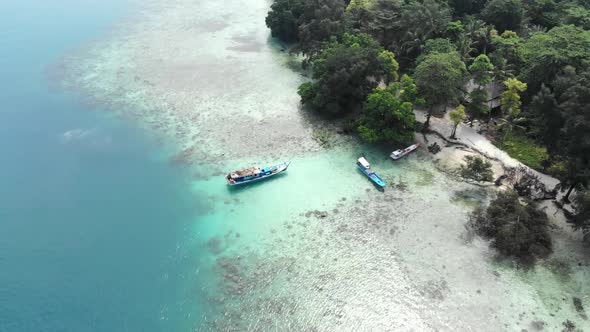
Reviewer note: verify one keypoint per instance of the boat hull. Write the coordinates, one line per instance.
(403, 153)
(280, 168)
(376, 179)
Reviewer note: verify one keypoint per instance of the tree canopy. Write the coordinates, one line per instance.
(481, 70)
(477, 169)
(346, 72)
(539, 49)
(504, 14)
(388, 116)
(283, 19)
(457, 116)
(546, 53)
(576, 131)
(440, 78)
(581, 215)
(515, 229)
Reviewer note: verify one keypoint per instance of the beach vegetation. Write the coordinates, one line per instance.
(545, 54)
(345, 72)
(387, 116)
(283, 19)
(516, 229)
(440, 78)
(534, 54)
(504, 14)
(581, 216)
(478, 169)
(524, 149)
(457, 116)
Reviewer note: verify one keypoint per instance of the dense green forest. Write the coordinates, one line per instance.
(376, 60)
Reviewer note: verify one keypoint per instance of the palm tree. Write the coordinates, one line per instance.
(480, 33)
(511, 122)
(465, 47)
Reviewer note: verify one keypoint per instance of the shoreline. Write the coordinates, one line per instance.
(235, 101)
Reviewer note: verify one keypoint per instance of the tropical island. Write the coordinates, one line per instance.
(520, 70)
(482, 228)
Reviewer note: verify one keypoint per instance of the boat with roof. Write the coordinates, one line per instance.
(252, 174)
(397, 154)
(365, 167)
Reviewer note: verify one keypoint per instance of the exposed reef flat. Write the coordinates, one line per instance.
(199, 73)
(381, 264)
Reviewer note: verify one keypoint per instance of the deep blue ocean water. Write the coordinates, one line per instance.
(91, 215)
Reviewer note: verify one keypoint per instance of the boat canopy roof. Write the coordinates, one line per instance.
(245, 172)
(364, 162)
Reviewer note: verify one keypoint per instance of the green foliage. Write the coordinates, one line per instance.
(457, 116)
(547, 118)
(581, 216)
(390, 65)
(465, 47)
(577, 15)
(508, 55)
(511, 96)
(382, 21)
(345, 73)
(440, 78)
(466, 7)
(401, 26)
(455, 28)
(524, 150)
(419, 22)
(481, 70)
(307, 92)
(478, 103)
(320, 22)
(516, 230)
(359, 4)
(543, 13)
(504, 14)
(386, 117)
(423, 34)
(409, 91)
(283, 19)
(436, 45)
(575, 104)
(477, 169)
(480, 33)
(545, 54)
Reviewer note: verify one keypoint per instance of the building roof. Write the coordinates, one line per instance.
(494, 91)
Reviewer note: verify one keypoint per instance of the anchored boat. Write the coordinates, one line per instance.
(397, 154)
(365, 167)
(252, 174)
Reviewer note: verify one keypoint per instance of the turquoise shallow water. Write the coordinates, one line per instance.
(91, 214)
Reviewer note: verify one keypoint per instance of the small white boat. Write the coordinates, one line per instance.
(397, 154)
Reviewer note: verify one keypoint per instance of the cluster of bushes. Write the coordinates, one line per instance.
(515, 229)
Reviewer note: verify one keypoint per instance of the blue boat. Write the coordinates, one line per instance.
(252, 174)
(365, 167)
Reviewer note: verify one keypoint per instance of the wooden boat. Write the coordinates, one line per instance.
(365, 167)
(397, 154)
(252, 174)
